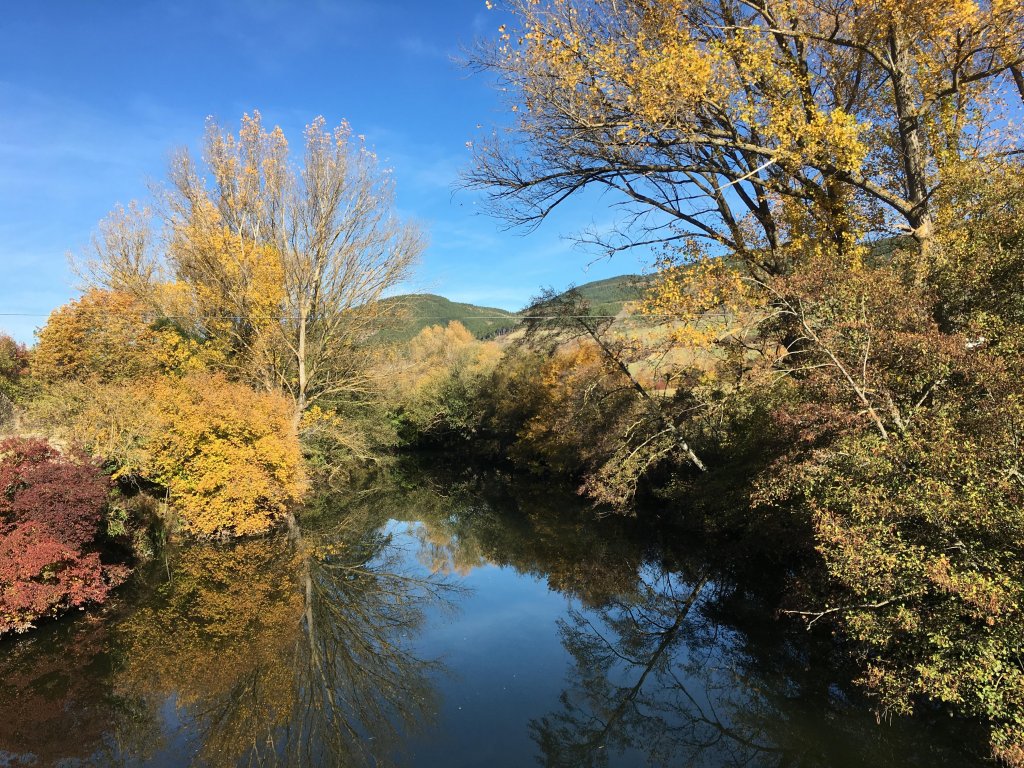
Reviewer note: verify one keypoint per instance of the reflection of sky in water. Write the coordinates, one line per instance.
(503, 657)
(616, 669)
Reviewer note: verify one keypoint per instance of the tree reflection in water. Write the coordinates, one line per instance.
(299, 650)
(288, 650)
(658, 678)
(631, 642)
(677, 656)
(55, 703)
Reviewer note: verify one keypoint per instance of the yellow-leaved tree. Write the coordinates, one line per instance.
(226, 455)
(142, 397)
(720, 119)
(278, 264)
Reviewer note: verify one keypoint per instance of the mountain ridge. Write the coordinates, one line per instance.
(415, 311)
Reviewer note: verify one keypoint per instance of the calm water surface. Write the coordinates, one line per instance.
(429, 622)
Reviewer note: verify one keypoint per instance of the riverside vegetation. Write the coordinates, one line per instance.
(825, 365)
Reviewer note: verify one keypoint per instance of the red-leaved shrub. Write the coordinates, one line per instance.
(51, 507)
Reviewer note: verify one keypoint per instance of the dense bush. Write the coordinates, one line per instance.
(51, 509)
(228, 456)
(439, 381)
(13, 366)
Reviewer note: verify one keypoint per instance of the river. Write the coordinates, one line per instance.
(468, 621)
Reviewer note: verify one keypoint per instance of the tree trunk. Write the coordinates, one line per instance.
(1018, 78)
(300, 394)
(913, 151)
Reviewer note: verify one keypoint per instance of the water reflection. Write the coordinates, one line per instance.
(665, 675)
(317, 667)
(51, 706)
(675, 656)
(321, 647)
(469, 521)
(290, 650)
(621, 653)
(360, 687)
(218, 646)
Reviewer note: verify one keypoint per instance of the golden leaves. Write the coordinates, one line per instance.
(707, 295)
(227, 454)
(108, 336)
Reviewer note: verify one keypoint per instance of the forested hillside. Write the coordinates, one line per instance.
(408, 314)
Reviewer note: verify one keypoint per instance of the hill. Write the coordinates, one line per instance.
(607, 297)
(415, 311)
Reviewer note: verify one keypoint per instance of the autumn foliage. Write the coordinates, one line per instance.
(275, 264)
(228, 455)
(833, 190)
(225, 456)
(145, 399)
(200, 353)
(103, 335)
(13, 363)
(438, 381)
(582, 411)
(51, 507)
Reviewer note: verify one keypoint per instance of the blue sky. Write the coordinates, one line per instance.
(94, 96)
